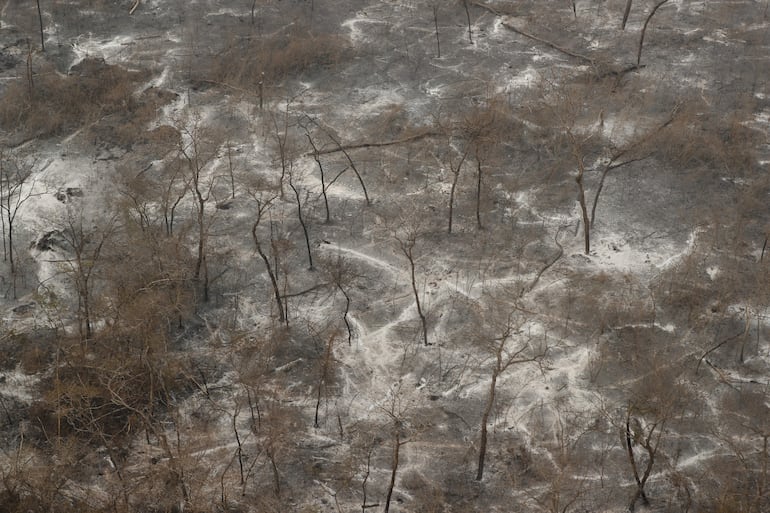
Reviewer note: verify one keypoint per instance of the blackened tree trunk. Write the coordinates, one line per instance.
(261, 207)
(302, 223)
(40, 20)
(644, 30)
(407, 248)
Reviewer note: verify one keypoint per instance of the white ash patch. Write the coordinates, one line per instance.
(357, 33)
(108, 49)
(18, 385)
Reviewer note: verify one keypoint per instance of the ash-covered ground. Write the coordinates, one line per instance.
(384, 256)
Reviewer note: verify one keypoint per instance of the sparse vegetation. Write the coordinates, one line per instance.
(384, 256)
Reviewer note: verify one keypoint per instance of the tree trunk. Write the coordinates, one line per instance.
(239, 451)
(455, 179)
(323, 177)
(423, 321)
(10, 247)
(30, 80)
(276, 475)
(40, 20)
(3, 214)
(632, 460)
(484, 422)
(323, 375)
(273, 279)
(478, 195)
(303, 224)
(435, 23)
(644, 29)
(396, 448)
(87, 311)
(10, 256)
(584, 210)
(345, 315)
(344, 151)
(468, 16)
(626, 12)
(452, 199)
(364, 505)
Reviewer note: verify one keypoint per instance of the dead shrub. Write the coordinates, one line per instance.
(245, 62)
(34, 359)
(94, 402)
(92, 91)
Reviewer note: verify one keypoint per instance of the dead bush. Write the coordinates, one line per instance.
(33, 359)
(104, 395)
(93, 91)
(245, 62)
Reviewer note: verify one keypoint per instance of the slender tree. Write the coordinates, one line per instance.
(644, 30)
(302, 222)
(576, 146)
(504, 357)
(329, 132)
(197, 153)
(17, 183)
(85, 242)
(324, 186)
(468, 18)
(325, 374)
(281, 136)
(626, 12)
(406, 244)
(636, 150)
(395, 413)
(262, 206)
(455, 167)
(40, 21)
(434, 7)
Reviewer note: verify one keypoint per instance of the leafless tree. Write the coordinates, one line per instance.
(198, 152)
(85, 240)
(481, 128)
(468, 17)
(40, 21)
(644, 29)
(655, 400)
(455, 166)
(302, 221)
(434, 8)
(504, 358)
(406, 243)
(281, 137)
(174, 190)
(17, 184)
(329, 132)
(590, 149)
(342, 277)
(262, 206)
(395, 411)
(626, 12)
(325, 374)
(324, 186)
(576, 145)
(367, 472)
(636, 150)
